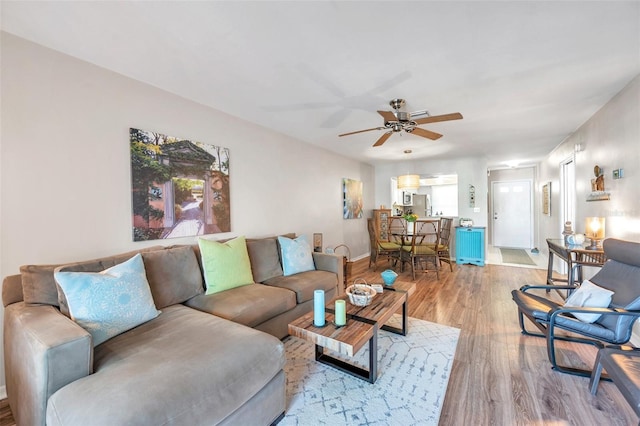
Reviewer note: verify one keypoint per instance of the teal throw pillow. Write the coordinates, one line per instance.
(296, 255)
(226, 265)
(110, 302)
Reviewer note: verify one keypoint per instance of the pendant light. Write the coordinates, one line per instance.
(409, 182)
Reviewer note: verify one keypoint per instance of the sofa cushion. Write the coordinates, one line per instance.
(304, 283)
(250, 305)
(226, 265)
(265, 261)
(173, 274)
(184, 367)
(296, 255)
(39, 286)
(110, 302)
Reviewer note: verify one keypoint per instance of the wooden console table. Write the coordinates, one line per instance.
(575, 256)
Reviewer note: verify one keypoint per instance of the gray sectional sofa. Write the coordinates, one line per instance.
(205, 359)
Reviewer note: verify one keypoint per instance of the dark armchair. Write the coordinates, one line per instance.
(620, 274)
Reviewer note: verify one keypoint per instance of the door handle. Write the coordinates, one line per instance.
(495, 216)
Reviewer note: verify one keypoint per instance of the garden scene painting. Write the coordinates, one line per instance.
(179, 187)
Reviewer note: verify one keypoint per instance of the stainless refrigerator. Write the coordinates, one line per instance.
(422, 205)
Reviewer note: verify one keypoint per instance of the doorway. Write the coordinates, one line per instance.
(512, 214)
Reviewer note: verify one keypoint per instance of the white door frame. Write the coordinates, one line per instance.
(568, 192)
(567, 201)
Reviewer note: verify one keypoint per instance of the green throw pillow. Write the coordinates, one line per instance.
(226, 265)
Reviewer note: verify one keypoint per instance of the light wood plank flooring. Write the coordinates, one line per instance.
(499, 376)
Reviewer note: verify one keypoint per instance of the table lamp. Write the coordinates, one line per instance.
(595, 232)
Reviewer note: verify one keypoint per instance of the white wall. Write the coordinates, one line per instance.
(611, 140)
(65, 168)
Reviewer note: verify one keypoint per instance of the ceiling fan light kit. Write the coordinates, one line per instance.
(396, 121)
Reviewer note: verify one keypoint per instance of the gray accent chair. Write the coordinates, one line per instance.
(623, 368)
(620, 274)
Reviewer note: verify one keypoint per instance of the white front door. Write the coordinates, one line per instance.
(512, 214)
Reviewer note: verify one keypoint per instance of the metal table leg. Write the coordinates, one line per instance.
(369, 375)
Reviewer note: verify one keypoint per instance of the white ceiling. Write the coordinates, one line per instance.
(524, 75)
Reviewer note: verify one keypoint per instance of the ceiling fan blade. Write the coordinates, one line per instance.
(426, 133)
(388, 116)
(361, 131)
(437, 118)
(383, 139)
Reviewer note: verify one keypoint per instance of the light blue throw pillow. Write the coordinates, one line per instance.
(296, 255)
(110, 302)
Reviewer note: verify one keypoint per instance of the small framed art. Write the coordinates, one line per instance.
(546, 199)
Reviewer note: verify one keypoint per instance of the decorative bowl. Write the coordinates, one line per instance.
(388, 276)
(360, 294)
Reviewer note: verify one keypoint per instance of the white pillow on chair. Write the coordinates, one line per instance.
(589, 295)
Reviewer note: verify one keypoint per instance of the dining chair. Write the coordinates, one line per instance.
(421, 247)
(397, 229)
(443, 241)
(379, 247)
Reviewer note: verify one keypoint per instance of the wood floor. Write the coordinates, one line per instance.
(499, 376)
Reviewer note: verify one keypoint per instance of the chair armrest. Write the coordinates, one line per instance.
(590, 310)
(554, 313)
(331, 263)
(44, 351)
(526, 288)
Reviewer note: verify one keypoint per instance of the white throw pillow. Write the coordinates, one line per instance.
(589, 295)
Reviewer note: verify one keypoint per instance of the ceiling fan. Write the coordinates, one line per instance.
(396, 121)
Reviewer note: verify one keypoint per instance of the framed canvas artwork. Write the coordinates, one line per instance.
(352, 205)
(179, 187)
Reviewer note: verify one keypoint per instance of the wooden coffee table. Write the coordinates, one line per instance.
(362, 326)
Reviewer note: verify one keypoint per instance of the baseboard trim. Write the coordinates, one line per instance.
(3, 392)
(364, 256)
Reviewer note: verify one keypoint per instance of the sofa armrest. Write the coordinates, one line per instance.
(12, 290)
(43, 351)
(331, 263)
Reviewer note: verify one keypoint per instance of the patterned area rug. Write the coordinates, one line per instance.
(517, 256)
(413, 373)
